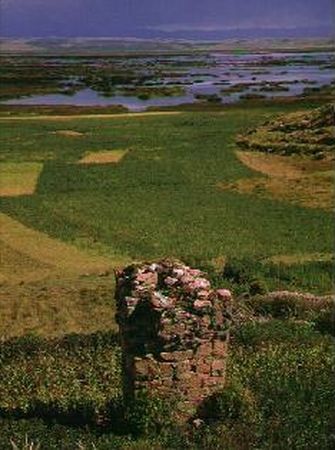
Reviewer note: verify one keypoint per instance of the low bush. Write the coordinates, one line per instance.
(279, 395)
(74, 379)
(288, 369)
(150, 416)
(293, 305)
(258, 276)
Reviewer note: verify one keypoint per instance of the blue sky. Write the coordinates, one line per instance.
(164, 18)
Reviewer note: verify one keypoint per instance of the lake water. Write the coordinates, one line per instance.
(218, 72)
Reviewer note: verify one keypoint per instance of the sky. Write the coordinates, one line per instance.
(189, 19)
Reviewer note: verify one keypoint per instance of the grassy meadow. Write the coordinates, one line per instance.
(158, 195)
(163, 198)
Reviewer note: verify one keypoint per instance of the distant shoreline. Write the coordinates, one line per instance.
(82, 47)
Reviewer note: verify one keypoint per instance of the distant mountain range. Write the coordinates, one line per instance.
(107, 45)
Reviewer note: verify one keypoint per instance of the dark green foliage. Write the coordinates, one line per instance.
(288, 368)
(288, 305)
(150, 416)
(325, 321)
(257, 335)
(279, 395)
(233, 403)
(75, 378)
(257, 276)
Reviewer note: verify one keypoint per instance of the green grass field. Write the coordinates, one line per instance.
(162, 199)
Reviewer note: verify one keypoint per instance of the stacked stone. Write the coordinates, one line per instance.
(174, 332)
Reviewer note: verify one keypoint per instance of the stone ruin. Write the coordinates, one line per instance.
(174, 331)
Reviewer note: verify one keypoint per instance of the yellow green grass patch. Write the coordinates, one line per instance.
(64, 117)
(292, 179)
(301, 258)
(55, 307)
(48, 252)
(68, 133)
(50, 287)
(104, 157)
(19, 178)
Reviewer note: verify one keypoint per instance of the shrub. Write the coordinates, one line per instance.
(150, 415)
(71, 379)
(286, 304)
(288, 367)
(232, 404)
(246, 274)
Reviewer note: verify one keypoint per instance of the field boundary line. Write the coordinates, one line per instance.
(93, 116)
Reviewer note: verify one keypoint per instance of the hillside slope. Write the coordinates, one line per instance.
(305, 133)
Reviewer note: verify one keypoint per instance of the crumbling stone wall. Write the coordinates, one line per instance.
(174, 332)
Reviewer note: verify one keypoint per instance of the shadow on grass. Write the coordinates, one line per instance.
(82, 413)
(82, 416)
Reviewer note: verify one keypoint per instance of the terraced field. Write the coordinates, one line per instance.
(163, 197)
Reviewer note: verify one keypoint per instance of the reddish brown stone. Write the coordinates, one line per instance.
(176, 356)
(219, 348)
(204, 349)
(224, 295)
(154, 384)
(218, 364)
(190, 378)
(168, 383)
(148, 278)
(140, 367)
(203, 367)
(200, 304)
(166, 370)
(218, 368)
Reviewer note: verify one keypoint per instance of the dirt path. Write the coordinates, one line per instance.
(27, 254)
(93, 116)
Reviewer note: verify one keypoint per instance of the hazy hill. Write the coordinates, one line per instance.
(122, 45)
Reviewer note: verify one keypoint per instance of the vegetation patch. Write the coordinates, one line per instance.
(279, 394)
(295, 156)
(251, 276)
(48, 251)
(287, 179)
(145, 93)
(65, 117)
(19, 178)
(303, 133)
(104, 157)
(16, 267)
(73, 373)
(162, 199)
(53, 307)
(301, 258)
(68, 133)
